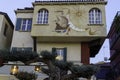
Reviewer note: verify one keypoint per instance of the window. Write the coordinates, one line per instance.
(42, 16)
(5, 30)
(61, 53)
(21, 49)
(26, 25)
(95, 16)
(23, 24)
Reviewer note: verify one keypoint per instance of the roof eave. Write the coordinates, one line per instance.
(8, 18)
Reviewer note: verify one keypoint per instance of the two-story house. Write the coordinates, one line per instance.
(75, 29)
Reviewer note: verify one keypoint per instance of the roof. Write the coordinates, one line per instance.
(26, 9)
(113, 24)
(7, 17)
(68, 1)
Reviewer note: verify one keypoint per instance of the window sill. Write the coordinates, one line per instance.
(41, 24)
(24, 31)
(95, 24)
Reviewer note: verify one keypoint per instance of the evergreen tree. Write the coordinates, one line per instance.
(56, 70)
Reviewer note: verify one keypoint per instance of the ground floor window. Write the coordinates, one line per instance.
(61, 53)
(21, 48)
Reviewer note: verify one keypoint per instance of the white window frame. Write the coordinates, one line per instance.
(42, 17)
(26, 24)
(95, 16)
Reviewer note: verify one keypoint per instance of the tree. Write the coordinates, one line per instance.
(56, 70)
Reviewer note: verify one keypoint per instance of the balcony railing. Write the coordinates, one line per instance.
(70, 0)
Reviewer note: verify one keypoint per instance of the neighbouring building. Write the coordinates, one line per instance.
(104, 71)
(6, 31)
(75, 29)
(114, 39)
(6, 34)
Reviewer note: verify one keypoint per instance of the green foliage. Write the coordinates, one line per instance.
(48, 55)
(85, 71)
(58, 68)
(23, 55)
(5, 54)
(18, 55)
(23, 75)
(63, 65)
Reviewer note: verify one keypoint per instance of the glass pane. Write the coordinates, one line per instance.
(60, 54)
(28, 27)
(42, 17)
(24, 21)
(23, 27)
(29, 21)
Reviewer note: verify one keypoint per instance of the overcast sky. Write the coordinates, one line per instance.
(112, 7)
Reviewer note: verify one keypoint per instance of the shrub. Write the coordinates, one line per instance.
(23, 75)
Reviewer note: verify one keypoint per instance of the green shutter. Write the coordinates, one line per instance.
(30, 25)
(65, 54)
(18, 24)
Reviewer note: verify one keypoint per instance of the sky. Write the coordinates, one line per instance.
(112, 7)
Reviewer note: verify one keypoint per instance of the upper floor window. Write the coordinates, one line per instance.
(23, 24)
(26, 25)
(95, 16)
(42, 16)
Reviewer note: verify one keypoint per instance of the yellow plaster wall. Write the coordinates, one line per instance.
(79, 16)
(24, 15)
(73, 49)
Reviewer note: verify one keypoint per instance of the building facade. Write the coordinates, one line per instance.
(6, 34)
(75, 29)
(6, 31)
(114, 39)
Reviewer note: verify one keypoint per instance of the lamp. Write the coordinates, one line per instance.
(37, 68)
(59, 57)
(14, 69)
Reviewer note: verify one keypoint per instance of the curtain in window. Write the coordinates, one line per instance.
(18, 24)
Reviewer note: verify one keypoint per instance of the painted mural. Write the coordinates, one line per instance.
(64, 23)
